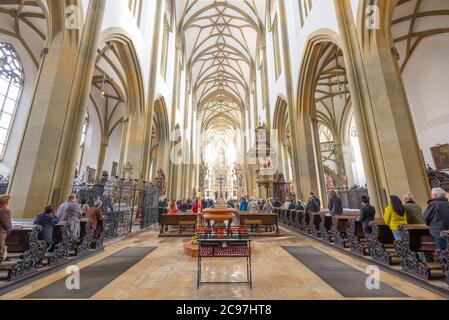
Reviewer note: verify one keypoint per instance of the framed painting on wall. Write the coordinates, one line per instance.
(440, 155)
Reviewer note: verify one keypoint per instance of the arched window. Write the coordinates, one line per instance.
(11, 83)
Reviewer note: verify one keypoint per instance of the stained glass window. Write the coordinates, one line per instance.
(11, 83)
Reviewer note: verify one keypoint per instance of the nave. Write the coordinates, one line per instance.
(166, 273)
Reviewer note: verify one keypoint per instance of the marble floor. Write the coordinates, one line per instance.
(168, 274)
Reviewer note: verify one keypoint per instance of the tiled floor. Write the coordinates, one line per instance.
(167, 274)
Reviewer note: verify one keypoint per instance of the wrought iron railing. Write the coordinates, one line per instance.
(127, 205)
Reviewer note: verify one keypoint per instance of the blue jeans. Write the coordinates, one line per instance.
(441, 243)
(397, 235)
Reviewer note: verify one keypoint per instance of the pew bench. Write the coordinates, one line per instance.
(326, 227)
(357, 239)
(315, 222)
(178, 220)
(305, 223)
(25, 253)
(84, 243)
(340, 225)
(417, 239)
(443, 257)
(262, 220)
(381, 243)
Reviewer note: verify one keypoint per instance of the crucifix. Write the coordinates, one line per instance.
(221, 180)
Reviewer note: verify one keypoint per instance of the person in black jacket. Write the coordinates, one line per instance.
(314, 204)
(436, 216)
(367, 214)
(335, 204)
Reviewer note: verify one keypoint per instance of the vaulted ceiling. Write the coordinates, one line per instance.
(221, 40)
(27, 22)
(414, 21)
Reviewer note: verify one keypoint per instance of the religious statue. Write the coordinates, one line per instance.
(344, 183)
(160, 182)
(127, 171)
(329, 182)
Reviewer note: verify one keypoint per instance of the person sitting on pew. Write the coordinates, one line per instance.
(47, 220)
(5, 223)
(367, 214)
(300, 205)
(253, 206)
(335, 204)
(268, 207)
(314, 204)
(172, 208)
(183, 206)
(395, 216)
(436, 216)
(70, 212)
(287, 204)
(414, 211)
(277, 203)
(95, 215)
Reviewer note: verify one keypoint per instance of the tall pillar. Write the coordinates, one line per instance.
(290, 96)
(144, 170)
(101, 157)
(390, 148)
(47, 156)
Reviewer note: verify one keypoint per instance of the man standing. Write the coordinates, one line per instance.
(70, 212)
(367, 214)
(335, 204)
(244, 205)
(414, 211)
(314, 204)
(436, 216)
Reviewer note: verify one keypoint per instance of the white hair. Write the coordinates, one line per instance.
(439, 192)
(409, 196)
(98, 203)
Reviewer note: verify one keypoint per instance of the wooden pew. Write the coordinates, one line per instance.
(357, 239)
(326, 227)
(99, 234)
(25, 253)
(84, 243)
(266, 220)
(292, 218)
(299, 220)
(305, 223)
(60, 253)
(381, 243)
(417, 239)
(176, 220)
(340, 225)
(315, 222)
(443, 257)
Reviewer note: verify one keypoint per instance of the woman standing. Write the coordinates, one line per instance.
(395, 216)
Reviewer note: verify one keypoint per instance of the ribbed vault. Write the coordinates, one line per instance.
(220, 39)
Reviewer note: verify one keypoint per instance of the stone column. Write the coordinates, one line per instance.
(46, 161)
(390, 148)
(144, 170)
(291, 102)
(101, 156)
